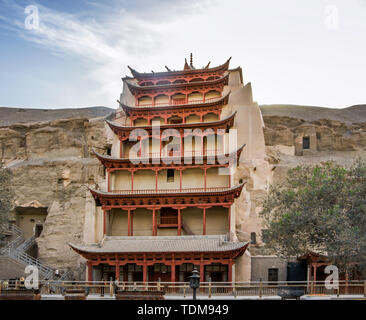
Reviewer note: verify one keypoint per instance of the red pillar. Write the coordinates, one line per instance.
(144, 272)
(132, 223)
(202, 272)
(156, 180)
(205, 169)
(181, 144)
(90, 271)
(154, 223)
(104, 222)
(179, 223)
(128, 222)
(204, 221)
(172, 275)
(180, 177)
(230, 271)
(109, 180)
(120, 148)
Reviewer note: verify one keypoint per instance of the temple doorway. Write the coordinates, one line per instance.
(159, 272)
(216, 272)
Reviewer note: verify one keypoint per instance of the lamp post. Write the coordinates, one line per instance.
(194, 281)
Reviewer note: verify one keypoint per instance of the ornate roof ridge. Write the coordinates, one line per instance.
(176, 85)
(178, 192)
(137, 74)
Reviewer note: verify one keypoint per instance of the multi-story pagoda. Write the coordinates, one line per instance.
(168, 202)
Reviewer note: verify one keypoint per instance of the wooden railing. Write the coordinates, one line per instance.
(207, 289)
(166, 221)
(193, 153)
(178, 102)
(161, 191)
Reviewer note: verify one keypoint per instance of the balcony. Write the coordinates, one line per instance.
(172, 153)
(172, 191)
(177, 102)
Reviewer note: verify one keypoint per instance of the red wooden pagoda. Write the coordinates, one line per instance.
(159, 218)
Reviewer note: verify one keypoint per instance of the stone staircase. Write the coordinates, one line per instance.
(16, 250)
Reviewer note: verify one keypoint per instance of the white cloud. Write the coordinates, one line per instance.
(283, 46)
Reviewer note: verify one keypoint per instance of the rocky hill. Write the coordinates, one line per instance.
(9, 116)
(354, 114)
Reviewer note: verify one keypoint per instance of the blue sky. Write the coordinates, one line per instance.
(309, 52)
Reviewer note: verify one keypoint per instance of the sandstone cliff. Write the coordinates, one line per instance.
(51, 162)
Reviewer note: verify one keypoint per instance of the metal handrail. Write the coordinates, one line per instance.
(27, 244)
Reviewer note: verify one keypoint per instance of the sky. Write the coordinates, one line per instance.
(306, 52)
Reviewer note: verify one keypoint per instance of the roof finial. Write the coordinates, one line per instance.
(191, 61)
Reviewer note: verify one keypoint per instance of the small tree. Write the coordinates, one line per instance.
(319, 208)
(6, 197)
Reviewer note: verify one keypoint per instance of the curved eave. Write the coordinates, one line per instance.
(83, 251)
(142, 89)
(149, 76)
(236, 190)
(108, 161)
(228, 121)
(130, 110)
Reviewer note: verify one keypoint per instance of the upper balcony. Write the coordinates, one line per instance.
(173, 88)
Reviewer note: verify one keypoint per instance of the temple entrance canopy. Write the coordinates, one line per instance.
(168, 258)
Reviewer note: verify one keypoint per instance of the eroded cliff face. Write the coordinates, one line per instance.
(51, 162)
(330, 135)
(333, 140)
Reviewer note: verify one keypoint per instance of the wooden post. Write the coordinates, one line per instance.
(154, 223)
(132, 175)
(90, 271)
(156, 180)
(172, 275)
(205, 169)
(120, 149)
(230, 271)
(179, 222)
(364, 288)
(181, 144)
(129, 222)
(209, 288)
(180, 181)
(260, 288)
(144, 272)
(104, 222)
(202, 272)
(109, 180)
(204, 221)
